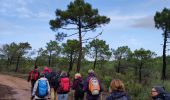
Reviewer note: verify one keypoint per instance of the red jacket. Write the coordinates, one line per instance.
(31, 77)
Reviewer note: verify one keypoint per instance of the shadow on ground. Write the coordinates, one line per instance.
(6, 92)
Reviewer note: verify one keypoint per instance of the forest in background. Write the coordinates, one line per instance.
(139, 69)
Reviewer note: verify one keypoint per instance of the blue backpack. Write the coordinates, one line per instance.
(42, 88)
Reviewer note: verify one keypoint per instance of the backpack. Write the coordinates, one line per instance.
(79, 90)
(34, 75)
(123, 97)
(42, 88)
(167, 96)
(55, 81)
(47, 75)
(64, 84)
(94, 86)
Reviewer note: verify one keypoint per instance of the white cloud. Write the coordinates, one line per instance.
(8, 28)
(145, 22)
(120, 21)
(21, 9)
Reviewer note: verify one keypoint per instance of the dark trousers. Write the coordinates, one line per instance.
(32, 85)
(78, 98)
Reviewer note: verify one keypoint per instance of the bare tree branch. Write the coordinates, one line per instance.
(72, 34)
(85, 30)
(69, 28)
(86, 40)
(84, 34)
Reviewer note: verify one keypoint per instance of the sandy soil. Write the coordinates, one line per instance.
(14, 88)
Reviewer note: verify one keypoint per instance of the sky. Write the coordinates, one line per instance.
(131, 24)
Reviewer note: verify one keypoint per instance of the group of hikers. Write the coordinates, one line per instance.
(56, 86)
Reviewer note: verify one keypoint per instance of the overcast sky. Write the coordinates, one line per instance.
(131, 22)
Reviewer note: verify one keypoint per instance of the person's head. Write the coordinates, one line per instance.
(35, 67)
(46, 69)
(91, 71)
(77, 75)
(42, 75)
(63, 73)
(156, 90)
(117, 85)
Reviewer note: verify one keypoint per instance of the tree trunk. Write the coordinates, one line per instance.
(164, 56)
(8, 62)
(94, 65)
(49, 60)
(11, 59)
(140, 72)
(70, 63)
(36, 60)
(118, 67)
(136, 73)
(18, 58)
(80, 47)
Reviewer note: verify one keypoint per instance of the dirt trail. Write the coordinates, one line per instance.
(20, 88)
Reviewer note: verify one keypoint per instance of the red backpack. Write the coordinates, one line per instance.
(65, 84)
(34, 75)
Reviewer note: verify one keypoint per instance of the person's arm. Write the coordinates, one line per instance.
(74, 85)
(38, 74)
(48, 87)
(29, 76)
(35, 88)
(85, 85)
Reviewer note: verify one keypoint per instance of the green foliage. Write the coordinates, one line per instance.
(98, 50)
(140, 63)
(70, 48)
(80, 17)
(53, 48)
(162, 19)
(120, 54)
(78, 11)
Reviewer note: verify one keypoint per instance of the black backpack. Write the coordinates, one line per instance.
(121, 97)
(167, 96)
(79, 90)
(55, 80)
(47, 75)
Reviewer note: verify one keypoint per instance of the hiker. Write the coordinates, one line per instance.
(92, 86)
(33, 76)
(117, 91)
(78, 87)
(54, 83)
(47, 72)
(64, 86)
(41, 89)
(159, 93)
